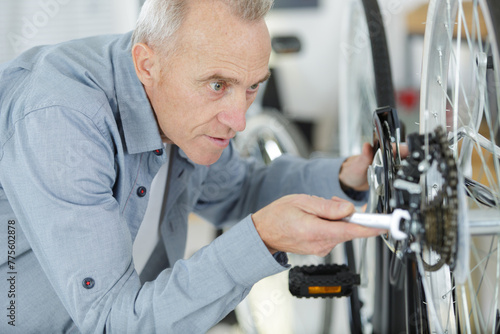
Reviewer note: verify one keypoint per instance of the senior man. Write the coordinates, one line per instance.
(84, 128)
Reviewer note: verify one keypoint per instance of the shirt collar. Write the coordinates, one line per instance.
(140, 127)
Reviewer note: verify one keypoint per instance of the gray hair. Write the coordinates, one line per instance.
(159, 20)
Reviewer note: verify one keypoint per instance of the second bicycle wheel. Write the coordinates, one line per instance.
(460, 92)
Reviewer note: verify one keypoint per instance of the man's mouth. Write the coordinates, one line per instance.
(218, 141)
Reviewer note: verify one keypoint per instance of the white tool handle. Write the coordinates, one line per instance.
(389, 222)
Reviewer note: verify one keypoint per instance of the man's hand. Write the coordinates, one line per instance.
(354, 169)
(304, 224)
(353, 173)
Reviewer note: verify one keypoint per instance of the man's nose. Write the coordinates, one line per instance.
(234, 112)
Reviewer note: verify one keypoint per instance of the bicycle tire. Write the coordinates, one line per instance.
(269, 134)
(380, 54)
(388, 315)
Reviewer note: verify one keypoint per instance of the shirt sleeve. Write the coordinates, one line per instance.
(235, 186)
(59, 179)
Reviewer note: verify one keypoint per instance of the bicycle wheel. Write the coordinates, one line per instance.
(365, 79)
(268, 135)
(269, 307)
(365, 84)
(460, 92)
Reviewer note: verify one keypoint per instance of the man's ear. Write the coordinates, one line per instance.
(144, 61)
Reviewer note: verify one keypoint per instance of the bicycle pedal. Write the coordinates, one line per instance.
(322, 281)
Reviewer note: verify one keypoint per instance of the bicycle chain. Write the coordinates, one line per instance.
(437, 217)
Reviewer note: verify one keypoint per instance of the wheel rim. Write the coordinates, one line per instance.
(269, 135)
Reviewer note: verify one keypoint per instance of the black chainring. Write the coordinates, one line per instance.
(386, 126)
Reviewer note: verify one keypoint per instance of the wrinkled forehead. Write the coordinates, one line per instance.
(212, 37)
(211, 23)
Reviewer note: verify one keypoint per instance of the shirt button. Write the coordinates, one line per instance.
(88, 283)
(158, 152)
(141, 191)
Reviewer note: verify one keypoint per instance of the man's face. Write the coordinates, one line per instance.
(207, 85)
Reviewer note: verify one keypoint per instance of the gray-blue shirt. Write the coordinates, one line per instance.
(79, 147)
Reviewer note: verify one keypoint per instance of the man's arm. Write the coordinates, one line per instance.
(298, 223)
(236, 187)
(59, 178)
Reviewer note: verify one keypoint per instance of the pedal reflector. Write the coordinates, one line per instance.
(314, 290)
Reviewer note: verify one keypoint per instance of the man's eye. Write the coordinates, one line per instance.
(254, 87)
(217, 86)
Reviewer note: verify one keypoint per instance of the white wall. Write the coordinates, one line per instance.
(26, 23)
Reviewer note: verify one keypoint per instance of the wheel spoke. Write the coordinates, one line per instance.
(461, 75)
(430, 301)
(497, 287)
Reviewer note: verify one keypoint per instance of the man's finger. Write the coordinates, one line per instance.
(336, 232)
(333, 209)
(367, 151)
(403, 150)
(351, 231)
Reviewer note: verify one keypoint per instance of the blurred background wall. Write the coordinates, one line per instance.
(26, 23)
